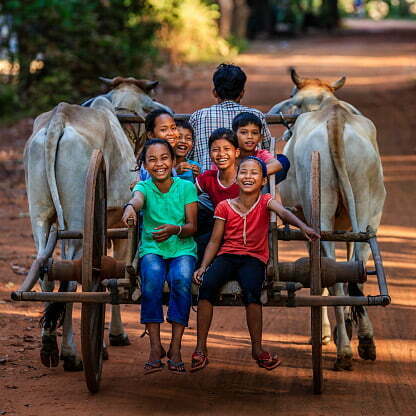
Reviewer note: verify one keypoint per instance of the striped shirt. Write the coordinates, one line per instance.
(206, 120)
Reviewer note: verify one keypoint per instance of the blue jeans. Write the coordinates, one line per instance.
(178, 271)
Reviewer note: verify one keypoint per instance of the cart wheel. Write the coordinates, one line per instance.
(94, 246)
(316, 289)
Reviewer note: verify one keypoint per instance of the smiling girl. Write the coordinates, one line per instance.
(240, 242)
(159, 124)
(167, 250)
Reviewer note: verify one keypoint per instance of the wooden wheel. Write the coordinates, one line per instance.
(315, 259)
(94, 246)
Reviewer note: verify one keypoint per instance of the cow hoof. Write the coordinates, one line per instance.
(72, 363)
(343, 362)
(105, 354)
(367, 348)
(49, 352)
(348, 327)
(119, 340)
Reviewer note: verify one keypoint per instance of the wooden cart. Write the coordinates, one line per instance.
(105, 280)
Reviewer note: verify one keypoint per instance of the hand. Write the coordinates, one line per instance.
(198, 274)
(128, 213)
(164, 232)
(183, 167)
(195, 169)
(310, 233)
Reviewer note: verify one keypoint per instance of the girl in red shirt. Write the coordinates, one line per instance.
(238, 250)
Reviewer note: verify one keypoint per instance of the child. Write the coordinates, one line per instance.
(167, 250)
(185, 168)
(247, 127)
(240, 242)
(219, 184)
(159, 124)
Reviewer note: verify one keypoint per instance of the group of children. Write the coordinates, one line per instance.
(235, 247)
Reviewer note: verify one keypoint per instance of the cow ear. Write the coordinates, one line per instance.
(147, 85)
(297, 80)
(338, 83)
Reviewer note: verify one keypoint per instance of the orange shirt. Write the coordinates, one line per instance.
(245, 234)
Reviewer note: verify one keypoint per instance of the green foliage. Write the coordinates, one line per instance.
(189, 31)
(76, 41)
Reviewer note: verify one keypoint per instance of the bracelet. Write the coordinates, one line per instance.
(180, 230)
(126, 205)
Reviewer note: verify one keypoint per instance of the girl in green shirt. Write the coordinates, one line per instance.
(167, 250)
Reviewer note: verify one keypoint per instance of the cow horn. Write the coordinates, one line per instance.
(146, 85)
(338, 83)
(295, 77)
(107, 81)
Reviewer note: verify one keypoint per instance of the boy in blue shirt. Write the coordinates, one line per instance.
(185, 168)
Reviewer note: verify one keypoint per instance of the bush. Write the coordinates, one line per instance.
(189, 31)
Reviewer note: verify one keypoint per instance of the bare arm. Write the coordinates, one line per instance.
(211, 250)
(135, 204)
(273, 166)
(288, 217)
(166, 230)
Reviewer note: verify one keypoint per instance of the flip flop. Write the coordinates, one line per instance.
(268, 362)
(153, 367)
(178, 368)
(199, 361)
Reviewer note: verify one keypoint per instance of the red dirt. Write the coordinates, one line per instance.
(380, 65)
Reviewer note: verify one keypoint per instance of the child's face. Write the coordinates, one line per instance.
(159, 162)
(165, 129)
(250, 177)
(185, 143)
(248, 137)
(223, 154)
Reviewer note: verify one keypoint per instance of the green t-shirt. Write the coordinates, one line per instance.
(166, 208)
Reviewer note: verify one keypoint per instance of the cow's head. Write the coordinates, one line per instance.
(309, 93)
(133, 95)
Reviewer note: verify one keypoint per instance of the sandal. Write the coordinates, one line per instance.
(153, 367)
(267, 361)
(199, 361)
(178, 368)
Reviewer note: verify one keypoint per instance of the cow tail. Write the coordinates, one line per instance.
(54, 133)
(335, 126)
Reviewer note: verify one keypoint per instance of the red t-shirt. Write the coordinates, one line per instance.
(209, 182)
(246, 234)
(262, 154)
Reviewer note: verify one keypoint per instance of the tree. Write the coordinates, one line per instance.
(74, 42)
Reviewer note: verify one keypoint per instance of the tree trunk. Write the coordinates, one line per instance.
(240, 18)
(226, 19)
(330, 14)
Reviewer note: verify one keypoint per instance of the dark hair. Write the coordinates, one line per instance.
(259, 161)
(186, 125)
(150, 120)
(152, 142)
(245, 118)
(223, 133)
(229, 81)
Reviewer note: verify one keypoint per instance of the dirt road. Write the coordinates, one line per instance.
(380, 65)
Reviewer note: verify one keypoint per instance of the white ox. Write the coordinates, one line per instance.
(56, 160)
(352, 188)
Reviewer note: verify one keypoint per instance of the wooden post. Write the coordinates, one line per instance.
(316, 289)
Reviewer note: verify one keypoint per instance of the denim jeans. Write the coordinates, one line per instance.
(178, 271)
